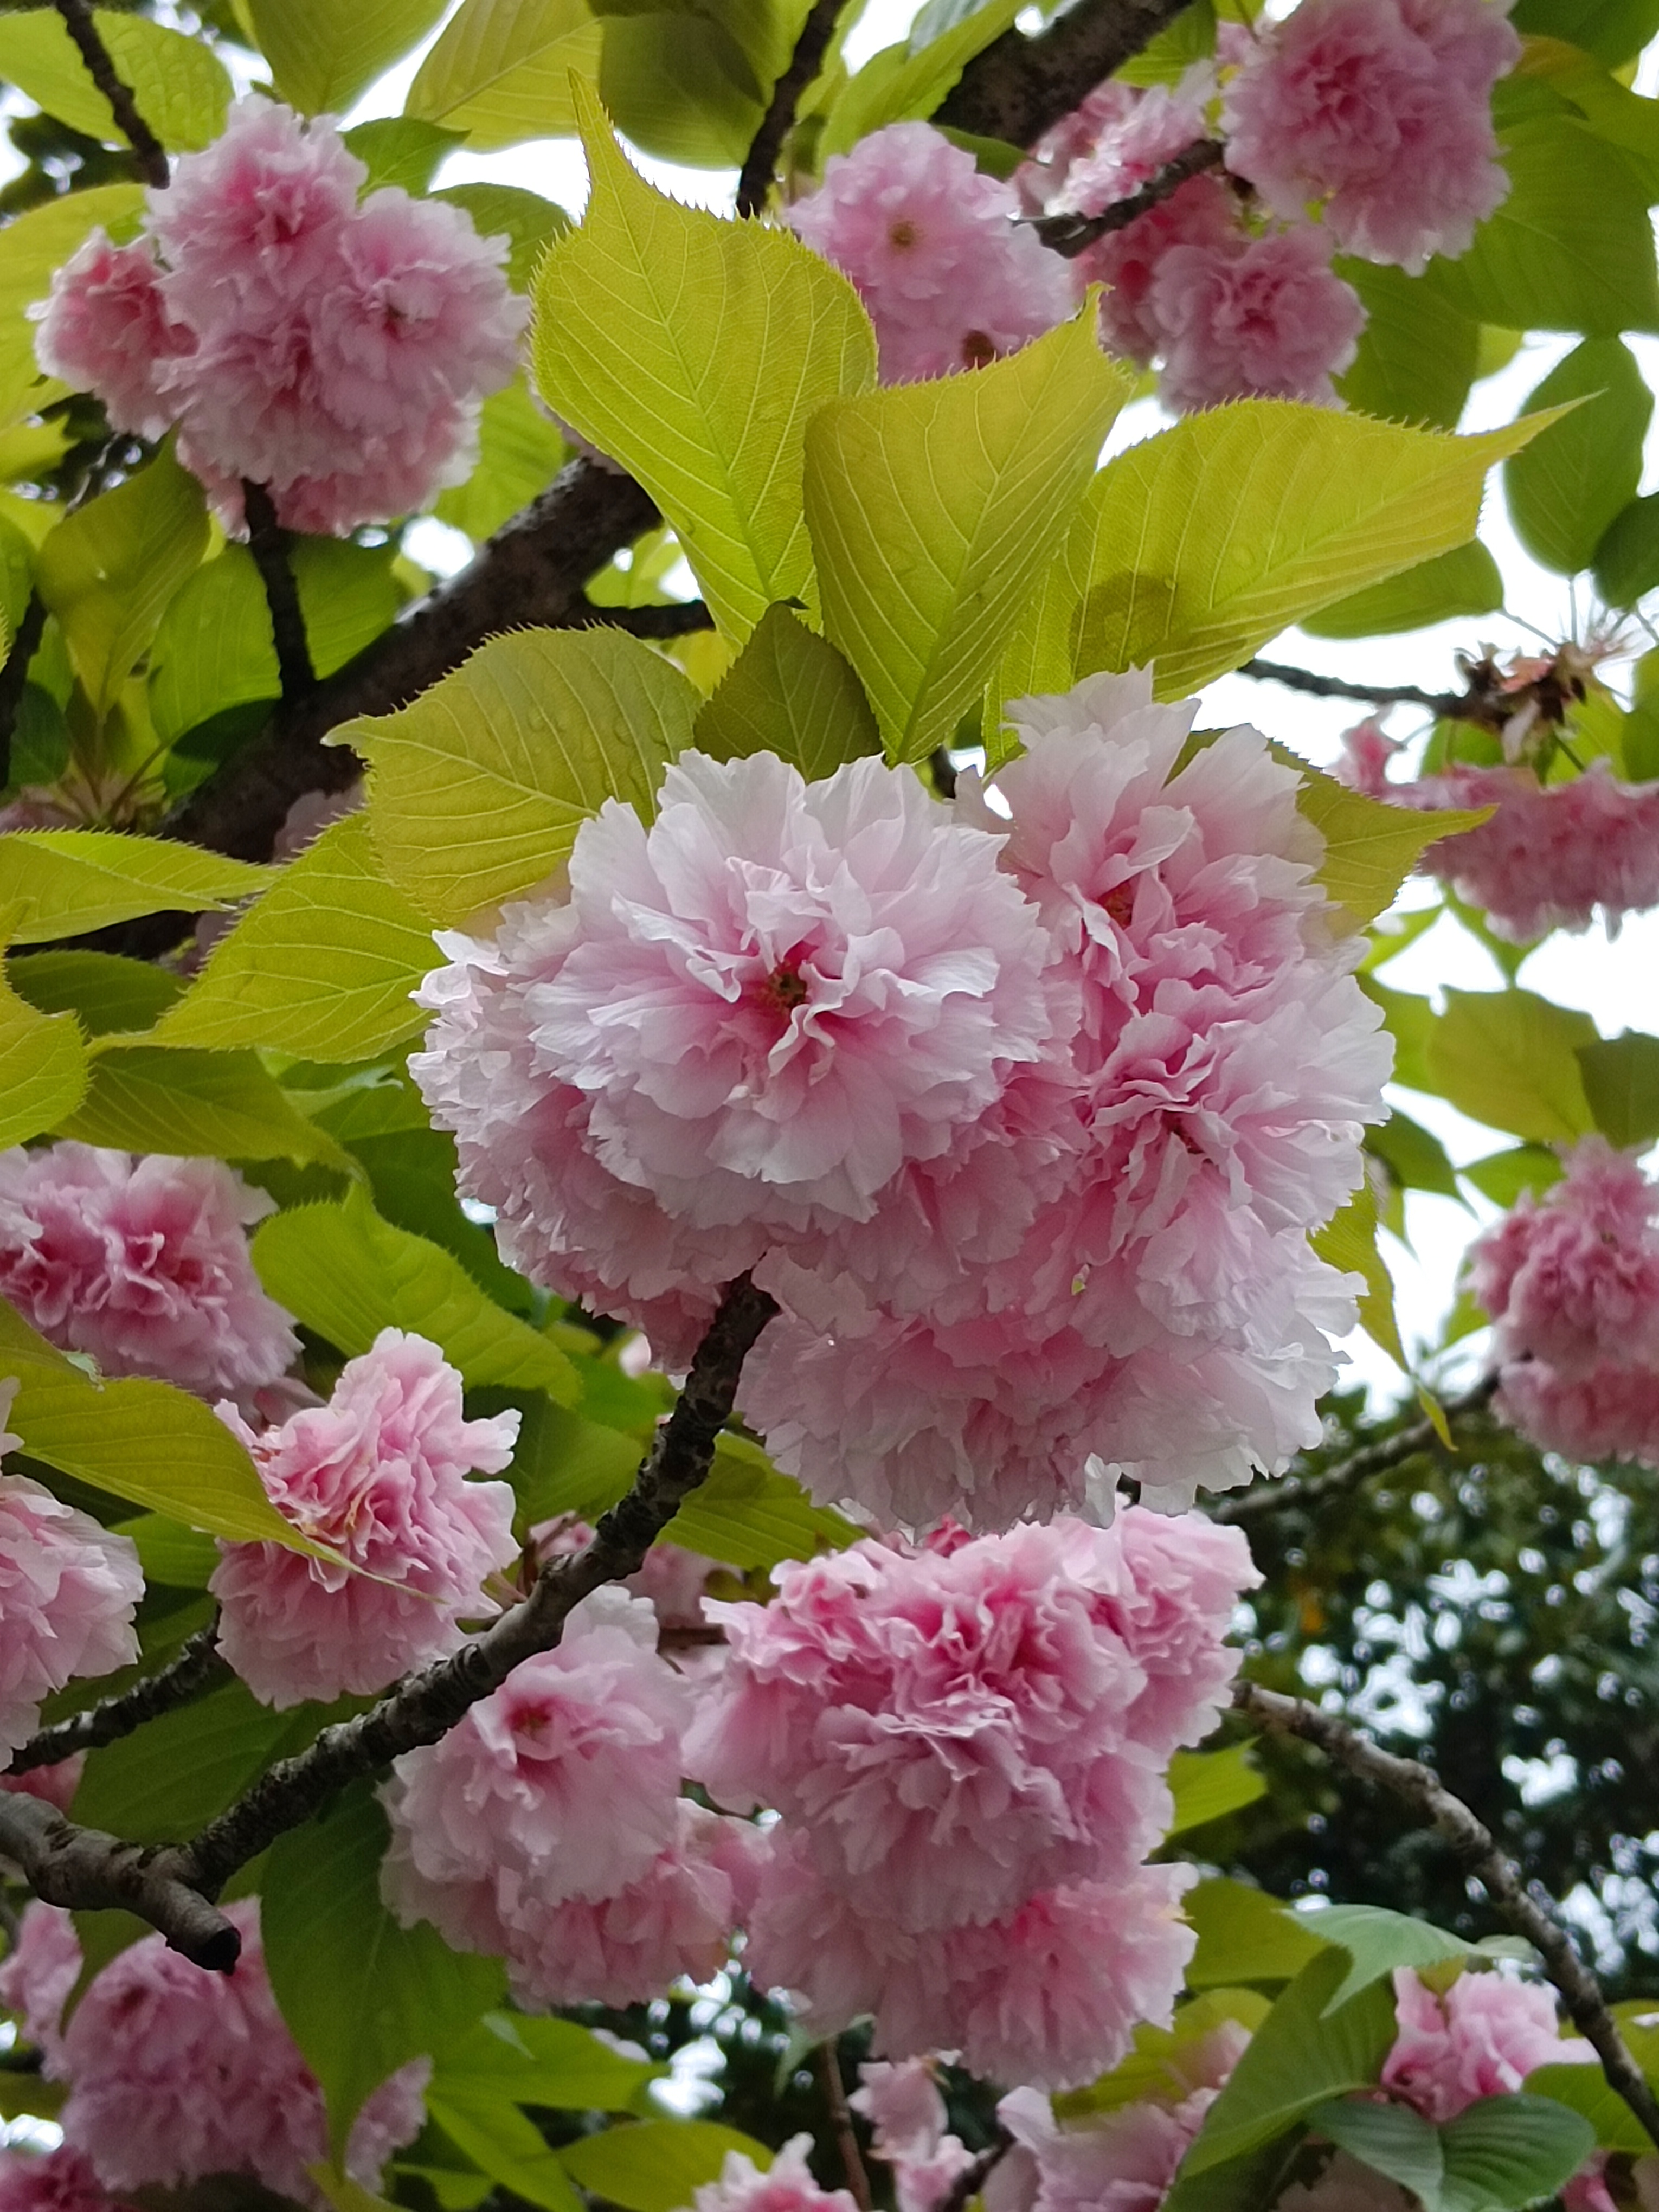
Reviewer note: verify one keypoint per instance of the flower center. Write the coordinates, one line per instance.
(1120, 903)
(785, 987)
(977, 350)
(903, 233)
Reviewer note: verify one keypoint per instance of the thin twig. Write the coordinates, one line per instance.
(197, 1667)
(152, 155)
(972, 2179)
(1069, 234)
(1452, 706)
(841, 2119)
(677, 618)
(13, 675)
(1347, 1473)
(1526, 1910)
(755, 178)
(268, 542)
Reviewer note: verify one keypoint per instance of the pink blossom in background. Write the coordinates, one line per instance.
(39, 1971)
(1481, 2038)
(950, 279)
(1551, 856)
(106, 328)
(175, 2074)
(1203, 215)
(1612, 1412)
(379, 1474)
(1345, 2186)
(787, 2186)
(907, 2116)
(142, 1260)
(54, 1785)
(52, 2181)
(1382, 110)
(1367, 750)
(1264, 318)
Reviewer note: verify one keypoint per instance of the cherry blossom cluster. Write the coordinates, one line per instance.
(174, 2075)
(968, 1744)
(336, 354)
(1572, 1282)
(1023, 1115)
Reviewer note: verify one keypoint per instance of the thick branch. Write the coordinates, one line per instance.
(152, 155)
(1421, 1788)
(267, 541)
(196, 1668)
(1453, 706)
(1348, 1473)
(1020, 87)
(1069, 234)
(755, 178)
(13, 674)
(88, 1871)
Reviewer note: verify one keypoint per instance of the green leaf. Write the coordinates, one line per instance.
(1370, 847)
(788, 692)
(564, 1464)
(1414, 1157)
(169, 1552)
(520, 453)
(1378, 1941)
(1245, 1935)
(1466, 582)
(347, 1274)
(526, 220)
(109, 992)
(1586, 2090)
(903, 83)
(1509, 1059)
(180, 85)
(479, 787)
(43, 1065)
(1391, 2139)
(1418, 355)
(1349, 1243)
(488, 2129)
(361, 1996)
(66, 882)
(146, 1442)
(323, 54)
(1198, 545)
(550, 2062)
(398, 149)
(321, 966)
(1302, 2054)
(748, 1516)
(1570, 248)
(222, 1105)
(1208, 1785)
(935, 509)
(654, 2166)
(1568, 487)
(1621, 1082)
(108, 571)
(679, 86)
(1157, 2068)
(182, 1769)
(501, 70)
(1507, 2152)
(694, 350)
(1626, 561)
(1502, 1177)
(32, 248)
(1614, 31)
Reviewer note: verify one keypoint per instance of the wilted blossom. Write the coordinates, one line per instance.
(337, 354)
(142, 1260)
(950, 279)
(1481, 2038)
(54, 2181)
(907, 2118)
(68, 1591)
(1381, 111)
(787, 2186)
(1265, 317)
(379, 1474)
(175, 2074)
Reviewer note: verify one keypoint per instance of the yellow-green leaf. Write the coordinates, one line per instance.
(748, 1515)
(1370, 847)
(935, 509)
(1207, 1784)
(654, 2166)
(219, 1105)
(65, 881)
(695, 350)
(478, 787)
(180, 85)
(31, 248)
(789, 692)
(323, 53)
(321, 966)
(501, 70)
(520, 453)
(1350, 1243)
(43, 1065)
(1510, 1058)
(349, 1274)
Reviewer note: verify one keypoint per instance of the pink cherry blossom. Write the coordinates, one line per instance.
(1612, 1412)
(52, 1785)
(1263, 318)
(787, 2186)
(106, 328)
(563, 1784)
(379, 1474)
(39, 1971)
(1203, 214)
(1481, 2038)
(175, 2074)
(907, 2116)
(142, 1260)
(57, 2181)
(950, 278)
(1551, 855)
(1113, 2161)
(1382, 110)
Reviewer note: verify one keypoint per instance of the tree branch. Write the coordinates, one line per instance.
(1421, 1788)
(1348, 1473)
(1453, 706)
(677, 618)
(197, 1667)
(1020, 87)
(268, 542)
(841, 2119)
(88, 1871)
(1070, 235)
(152, 155)
(13, 675)
(755, 178)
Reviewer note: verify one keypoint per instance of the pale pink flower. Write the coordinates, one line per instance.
(1552, 855)
(1612, 1412)
(1203, 214)
(57, 2181)
(67, 1592)
(674, 1580)
(175, 2074)
(1381, 109)
(1481, 2038)
(907, 2118)
(52, 1785)
(41, 1968)
(379, 1474)
(1367, 750)
(1128, 147)
(950, 278)
(106, 328)
(141, 1262)
(1172, 1602)
(1253, 318)
(787, 2186)
(563, 1784)
(1116, 2161)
